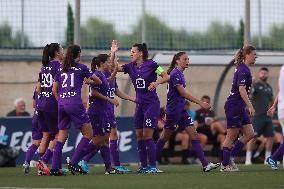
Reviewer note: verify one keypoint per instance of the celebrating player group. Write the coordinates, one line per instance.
(58, 102)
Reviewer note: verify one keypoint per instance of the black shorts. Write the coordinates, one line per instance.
(262, 125)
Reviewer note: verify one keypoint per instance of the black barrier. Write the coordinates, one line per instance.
(16, 132)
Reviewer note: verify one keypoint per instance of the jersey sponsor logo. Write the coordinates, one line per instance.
(68, 94)
(140, 83)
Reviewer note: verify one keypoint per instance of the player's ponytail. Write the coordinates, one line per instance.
(174, 61)
(242, 52)
(49, 52)
(96, 61)
(72, 53)
(45, 55)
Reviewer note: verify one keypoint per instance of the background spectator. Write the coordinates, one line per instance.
(20, 108)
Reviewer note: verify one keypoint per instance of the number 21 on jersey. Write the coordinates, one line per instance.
(66, 80)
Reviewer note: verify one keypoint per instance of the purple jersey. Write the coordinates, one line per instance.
(47, 101)
(97, 104)
(175, 102)
(70, 84)
(141, 78)
(111, 92)
(242, 77)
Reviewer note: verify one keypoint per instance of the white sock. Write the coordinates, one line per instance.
(256, 154)
(248, 156)
(267, 154)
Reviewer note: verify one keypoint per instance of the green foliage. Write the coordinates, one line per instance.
(70, 26)
(97, 34)
(8, 40)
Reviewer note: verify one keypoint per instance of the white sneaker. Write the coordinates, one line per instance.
(211, 166)
(234, 166)
(228, 168)
(248, 163)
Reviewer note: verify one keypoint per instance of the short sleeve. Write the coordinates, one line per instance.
(155, 65)
(86, 72)
(125, 68)
(176, 80)
(242, 78)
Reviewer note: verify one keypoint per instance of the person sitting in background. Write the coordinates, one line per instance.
(20, 108)
(208, 125)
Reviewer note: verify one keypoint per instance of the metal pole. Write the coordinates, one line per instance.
(259, 25)
(143, 27)
(22, 26)
(247, 39)
(77, 38)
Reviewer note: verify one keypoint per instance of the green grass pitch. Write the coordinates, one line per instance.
(175, 177)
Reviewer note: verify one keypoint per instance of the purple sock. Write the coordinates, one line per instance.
(91, 152)
(79, 151)
(57, 156)
(114, 152)
(279, 152)
(30, 153)
(142, 152)
(199, 152)
(105, 153)
(159, 147)
(47, 155)
(226, 156)
(151, 151)
(238, 146)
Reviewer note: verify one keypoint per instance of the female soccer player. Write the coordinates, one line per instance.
(143, 73)
(237, 108)
(67, 88)
(47, 104)
(272, 160)
(36, 137)
(176, 113)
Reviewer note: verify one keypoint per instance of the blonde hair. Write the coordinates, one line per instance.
(242, 52)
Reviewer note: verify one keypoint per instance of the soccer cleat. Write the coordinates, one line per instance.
(84, 165)
(152, 169)
(234, 166)
(112, 171)
(272, 163)
(228, 168)
(122, 169)
(40, 173)
(248, 163)
(142, 170)
(57, 172)
(26, 166)
(76, 169)
(43, 167)
(211, 166)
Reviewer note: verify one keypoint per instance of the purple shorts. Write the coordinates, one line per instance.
(180, 118)
(236, 115)
(100, 124)
(146, 115)
(36, 128)
(72, 112)
(48, 122)
(111, 119)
